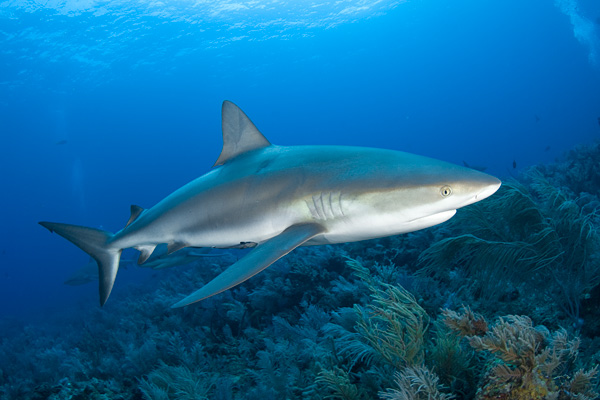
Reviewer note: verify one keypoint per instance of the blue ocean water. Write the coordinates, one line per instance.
(104, 104)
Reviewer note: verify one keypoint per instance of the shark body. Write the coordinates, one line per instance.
(276, 198)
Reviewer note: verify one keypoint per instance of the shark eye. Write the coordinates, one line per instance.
(446, 191)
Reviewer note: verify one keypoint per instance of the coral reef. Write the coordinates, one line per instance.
(525, 362)
(377, 319)
(545, 236)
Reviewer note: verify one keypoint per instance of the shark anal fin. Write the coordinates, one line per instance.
(239, 133)
(258, 259)
(136, 211)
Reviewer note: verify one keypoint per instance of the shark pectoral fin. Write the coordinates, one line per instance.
(258, 259)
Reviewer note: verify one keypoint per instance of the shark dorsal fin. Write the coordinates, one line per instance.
(136, 211)
(239, 133)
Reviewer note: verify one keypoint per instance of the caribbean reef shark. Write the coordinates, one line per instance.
(276, 198)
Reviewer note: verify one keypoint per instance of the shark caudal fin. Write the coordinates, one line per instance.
(95, 243)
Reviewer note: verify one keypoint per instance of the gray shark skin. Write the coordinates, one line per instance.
(276, 198)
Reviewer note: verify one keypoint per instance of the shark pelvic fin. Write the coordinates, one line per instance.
(239, 133)
(145, 252)
(258, 259)
(136, 211)
(95, 242)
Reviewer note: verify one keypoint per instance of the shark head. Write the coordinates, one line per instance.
(468, 186)
(448, 187)
(404, 192)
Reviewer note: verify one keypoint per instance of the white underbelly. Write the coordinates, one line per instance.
(376, 226)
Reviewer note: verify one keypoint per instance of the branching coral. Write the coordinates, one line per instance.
(416, 383)
(526, 362)
(176, 383)
(578, 171)
(517, 235)
(386, 335)
(451, 358)
(391, 329)
(465, 323)
(578, 239)
(337, 382)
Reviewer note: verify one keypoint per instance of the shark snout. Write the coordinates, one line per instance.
(476, 188)
(489, 186)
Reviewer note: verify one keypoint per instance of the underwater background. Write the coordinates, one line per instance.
(104, 104)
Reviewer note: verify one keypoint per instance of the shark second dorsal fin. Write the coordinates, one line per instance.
(239, 133)
(136, 211)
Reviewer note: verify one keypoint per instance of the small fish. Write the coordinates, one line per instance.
(547, 149)
(598, 120)
(61, 142)
(514, 164)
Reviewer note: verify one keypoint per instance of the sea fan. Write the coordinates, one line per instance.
(516, 235)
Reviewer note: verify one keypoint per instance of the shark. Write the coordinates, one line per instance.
(273, 199)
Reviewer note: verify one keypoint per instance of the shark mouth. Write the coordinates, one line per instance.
(433, 219)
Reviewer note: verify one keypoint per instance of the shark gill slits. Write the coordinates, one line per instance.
(326, 206)
(446, 191)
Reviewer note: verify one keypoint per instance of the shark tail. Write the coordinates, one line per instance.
(96, 243)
